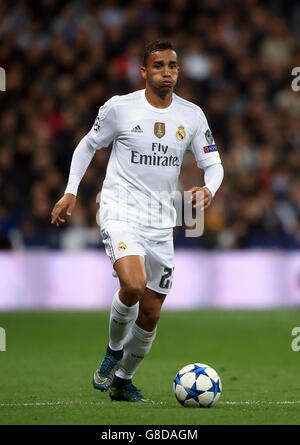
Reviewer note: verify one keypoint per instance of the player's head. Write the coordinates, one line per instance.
(160, 66)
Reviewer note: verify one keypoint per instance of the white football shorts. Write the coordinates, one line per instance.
(120, 240)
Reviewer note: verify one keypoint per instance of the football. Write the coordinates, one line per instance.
(197, 385)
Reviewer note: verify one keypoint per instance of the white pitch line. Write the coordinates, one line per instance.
(261, 402)
(76, 402)
(51, 403)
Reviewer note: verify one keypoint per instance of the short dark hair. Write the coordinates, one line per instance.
(157, 45)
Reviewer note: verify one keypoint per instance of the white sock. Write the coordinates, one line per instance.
(137, 345)
(121, 319)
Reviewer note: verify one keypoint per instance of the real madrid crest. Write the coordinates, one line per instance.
(180, 133)
(159, 129)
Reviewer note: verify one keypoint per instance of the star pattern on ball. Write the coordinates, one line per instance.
(193, 392)
(215, 388)
(177, 380)
(199, 370)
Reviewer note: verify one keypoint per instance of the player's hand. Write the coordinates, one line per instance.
(62, 209)
(204, 201)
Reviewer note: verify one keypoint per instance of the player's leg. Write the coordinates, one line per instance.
(125, 305)
(133, 278)
(142, 334)
(124, 311)
(159, 267)
(127, 257)
(137, 346)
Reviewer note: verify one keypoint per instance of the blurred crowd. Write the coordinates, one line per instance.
(63, 60)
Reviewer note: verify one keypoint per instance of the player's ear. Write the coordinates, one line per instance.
(143, 71)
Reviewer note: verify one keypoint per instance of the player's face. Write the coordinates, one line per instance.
(161, 71)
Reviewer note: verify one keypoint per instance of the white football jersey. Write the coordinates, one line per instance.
(147, 153)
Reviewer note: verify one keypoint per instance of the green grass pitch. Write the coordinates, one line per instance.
(46, 370)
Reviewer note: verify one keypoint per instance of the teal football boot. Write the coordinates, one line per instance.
(127, 393)
(104, 375)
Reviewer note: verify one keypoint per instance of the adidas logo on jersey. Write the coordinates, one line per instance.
(137, 129)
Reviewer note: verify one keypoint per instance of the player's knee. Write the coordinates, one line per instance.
(133, 290)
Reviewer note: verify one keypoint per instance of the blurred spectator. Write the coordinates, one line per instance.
(65, 59)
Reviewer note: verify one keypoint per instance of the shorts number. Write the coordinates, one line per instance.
(166, 281)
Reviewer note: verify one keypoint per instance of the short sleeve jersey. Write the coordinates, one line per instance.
(148, 148)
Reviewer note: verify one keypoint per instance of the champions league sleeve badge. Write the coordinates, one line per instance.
(96, 125)
(209, 136)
